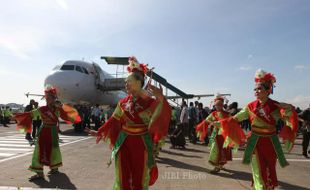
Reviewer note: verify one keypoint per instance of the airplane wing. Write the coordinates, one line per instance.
(29, 94)
(115, 60)
(189, 96)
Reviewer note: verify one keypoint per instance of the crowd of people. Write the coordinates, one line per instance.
(92, 114)
(181, 128)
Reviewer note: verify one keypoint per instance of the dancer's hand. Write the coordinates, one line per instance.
(157, 92)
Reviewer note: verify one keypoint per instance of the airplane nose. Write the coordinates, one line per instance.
(60, 81)
(54, 79)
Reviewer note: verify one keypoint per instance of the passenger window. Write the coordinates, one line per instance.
(67, 67)
(78, 68)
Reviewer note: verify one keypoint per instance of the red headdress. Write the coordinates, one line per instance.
(50, 91)
(262, 76)
(134, 65)
(218, 97)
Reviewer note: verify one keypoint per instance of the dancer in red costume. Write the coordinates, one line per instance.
(263, 146)
(218, 155)
(47, 151)
(138, 122)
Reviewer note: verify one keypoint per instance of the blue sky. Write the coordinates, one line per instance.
(200, 46)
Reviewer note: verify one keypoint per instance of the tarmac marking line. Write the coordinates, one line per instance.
(27, 153)
(14, 145)
(15, 142)
(6, 154)
(24, 188)
(14, 139)
(17, 149)
(288, 159)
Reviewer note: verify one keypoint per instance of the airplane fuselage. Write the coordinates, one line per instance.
(76, 82)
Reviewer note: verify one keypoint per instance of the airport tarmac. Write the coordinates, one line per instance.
(85, 166)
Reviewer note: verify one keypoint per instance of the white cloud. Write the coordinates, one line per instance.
(300, 67)
(63, 4)
(20, 41)
(4, 72)
(244, 68)
(300, 101)
(13, 48)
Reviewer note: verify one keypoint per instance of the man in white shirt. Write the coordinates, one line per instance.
(96, 116)
(184, 118)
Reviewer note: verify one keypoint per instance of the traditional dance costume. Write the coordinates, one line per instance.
(135, 126)
(218, 155)
(263, 145)
(47, 151)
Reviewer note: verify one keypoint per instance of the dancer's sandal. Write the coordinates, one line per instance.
(53, 171)
(215, 170)
(36, 177)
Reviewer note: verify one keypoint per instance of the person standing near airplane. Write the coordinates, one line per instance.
(263, 145)
(7, 114)
(138, 122)
(192, 121)
(96, 116)
(36, 122)
(1, 116)
(47, 151)
(304, 117)
(29, 108)
(184, 118)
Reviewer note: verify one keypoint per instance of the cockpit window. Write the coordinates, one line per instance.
(85, 70)
(78, 68)
(67, 67)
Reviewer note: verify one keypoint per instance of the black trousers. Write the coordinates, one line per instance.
(97, 122)
(36, 124)
(305, 141)
(192, 132)
(6, 120)
(28, 136)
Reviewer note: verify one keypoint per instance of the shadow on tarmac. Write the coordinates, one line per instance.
(59, 181)
(182, 165)
(71, 132)
(240, 175)
(245, 176)
(180, 154)
(288, 186)
(193, 150)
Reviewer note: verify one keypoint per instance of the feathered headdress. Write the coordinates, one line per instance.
(219, 97)
(135, 65)
(262, 76)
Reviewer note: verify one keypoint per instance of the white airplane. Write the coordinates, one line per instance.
(84, 83)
